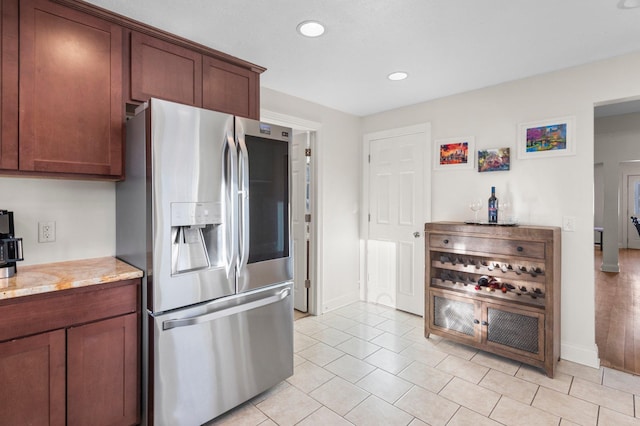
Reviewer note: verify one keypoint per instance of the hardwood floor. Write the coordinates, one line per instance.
(297, 314)
(618, 312)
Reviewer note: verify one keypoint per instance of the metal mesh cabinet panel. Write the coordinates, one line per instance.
(514, 330)
(453, 315)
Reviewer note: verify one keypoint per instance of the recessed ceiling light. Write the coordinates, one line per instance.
(629, 4)
(311, 28)
(395, 76)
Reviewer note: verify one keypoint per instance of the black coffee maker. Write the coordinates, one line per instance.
(10, 246)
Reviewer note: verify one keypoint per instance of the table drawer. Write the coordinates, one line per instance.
(532, 249)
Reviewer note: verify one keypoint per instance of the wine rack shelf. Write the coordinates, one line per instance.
(495, 288)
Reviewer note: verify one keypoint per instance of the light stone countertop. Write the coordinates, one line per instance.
(47, 277)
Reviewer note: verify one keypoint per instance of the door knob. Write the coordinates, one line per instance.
(416, 234)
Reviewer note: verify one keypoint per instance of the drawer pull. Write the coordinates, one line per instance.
(446, 241)
(485, 323)
(520, 248)
(475, 321)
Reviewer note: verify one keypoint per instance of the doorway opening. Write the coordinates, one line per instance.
(305, 205)
(617, 260)
(301, 218)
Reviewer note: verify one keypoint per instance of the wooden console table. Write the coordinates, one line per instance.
(496, 288)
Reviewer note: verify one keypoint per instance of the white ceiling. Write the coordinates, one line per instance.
(446, 46)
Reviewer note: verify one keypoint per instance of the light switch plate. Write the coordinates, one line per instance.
(569, 223)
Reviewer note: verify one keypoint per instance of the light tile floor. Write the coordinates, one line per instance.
(366, 364)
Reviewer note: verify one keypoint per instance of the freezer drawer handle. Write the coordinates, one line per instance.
(224, 312)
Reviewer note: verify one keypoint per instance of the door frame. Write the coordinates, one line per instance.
(627, 168)
(315, 245)
(364, 206)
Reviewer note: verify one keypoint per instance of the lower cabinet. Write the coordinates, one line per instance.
(85, 373)
(102, 367)
(499, 327)
(32, 377)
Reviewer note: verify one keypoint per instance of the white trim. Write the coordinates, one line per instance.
(289, 121)
(316, 257)
(581, 355)
(627, 168)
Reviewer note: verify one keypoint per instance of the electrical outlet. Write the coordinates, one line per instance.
(569, 223)
(46, 232)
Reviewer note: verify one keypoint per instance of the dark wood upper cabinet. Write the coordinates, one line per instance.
(9, 85)
(164, 70)
(68, 69)
(71, 107)
(230, 88)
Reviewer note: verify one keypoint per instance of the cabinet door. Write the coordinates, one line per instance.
(514, 330)
(71, 109)
(164, 70)
(9, 85)
(230, 88)
(102, 372)
(457, 316)
(32, 380)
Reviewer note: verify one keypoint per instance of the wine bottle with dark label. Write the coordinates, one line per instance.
(493, 206)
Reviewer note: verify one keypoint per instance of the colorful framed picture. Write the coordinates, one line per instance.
(548, 138)
(454, 153)
(494, 160)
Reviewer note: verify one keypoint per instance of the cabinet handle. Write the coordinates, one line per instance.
(475, 321)
(520, 248)
(446, 241)
(485, 323)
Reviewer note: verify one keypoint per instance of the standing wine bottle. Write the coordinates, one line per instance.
(493, 206)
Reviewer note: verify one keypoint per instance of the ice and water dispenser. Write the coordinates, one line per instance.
(196, 237)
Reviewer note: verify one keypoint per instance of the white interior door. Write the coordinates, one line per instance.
(395, 250)
(300, 207)
(633, 194)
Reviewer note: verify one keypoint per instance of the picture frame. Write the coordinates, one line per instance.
(547, 138)
(454, 153)
(494, 160)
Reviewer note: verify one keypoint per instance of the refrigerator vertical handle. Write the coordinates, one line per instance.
(243, 195)
(231, 195)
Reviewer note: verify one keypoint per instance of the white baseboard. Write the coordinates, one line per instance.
(610, 267)
(339, 302)
(580, 354)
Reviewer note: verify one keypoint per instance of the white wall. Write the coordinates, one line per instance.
(84, 212)
(542, 190)
(338, 155)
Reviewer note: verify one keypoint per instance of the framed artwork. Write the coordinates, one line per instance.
(548, 138)
(454, 153)
(494, 160)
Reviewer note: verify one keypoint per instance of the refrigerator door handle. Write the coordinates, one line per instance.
(231, 191)
(225, 312)
(244, 200)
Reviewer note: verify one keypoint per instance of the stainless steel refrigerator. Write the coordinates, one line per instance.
(204, 211)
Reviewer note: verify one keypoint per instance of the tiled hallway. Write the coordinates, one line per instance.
(370, 365)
